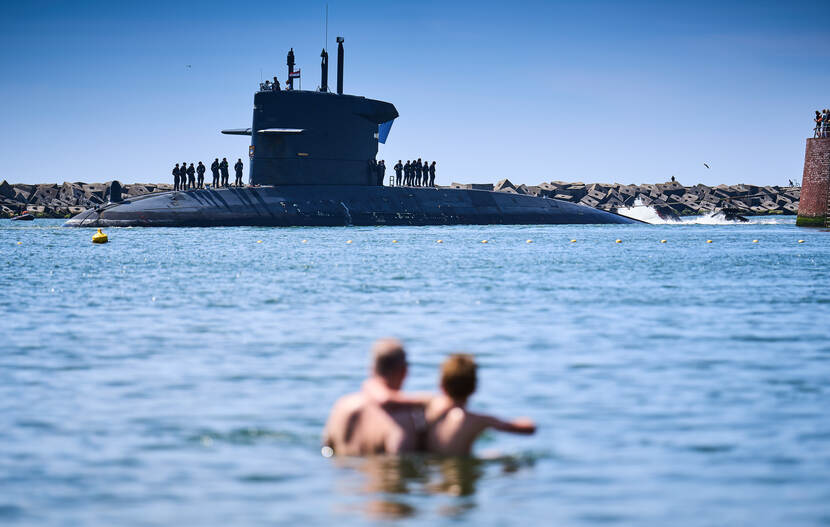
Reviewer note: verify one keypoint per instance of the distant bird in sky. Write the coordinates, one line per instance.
(704, 164)
(188, 66)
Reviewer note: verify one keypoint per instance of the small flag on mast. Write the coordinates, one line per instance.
(294, 74)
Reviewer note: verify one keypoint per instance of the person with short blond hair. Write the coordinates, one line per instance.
(451, 428)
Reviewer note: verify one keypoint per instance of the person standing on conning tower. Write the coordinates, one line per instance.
(191, 176)
(223, 168)
(238, 168)
(398, 172)
(407, 172)
(214, 169)
(176, 172)
(200, 175)
(419, 172)
(432, 174)
(276, 85)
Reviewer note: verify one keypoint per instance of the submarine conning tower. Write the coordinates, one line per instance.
(315, 137)
(814, 202)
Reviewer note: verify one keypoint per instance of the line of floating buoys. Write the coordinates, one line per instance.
(99, 237)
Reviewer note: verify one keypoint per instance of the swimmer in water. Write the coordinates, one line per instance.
(378, 419)
(451, 428)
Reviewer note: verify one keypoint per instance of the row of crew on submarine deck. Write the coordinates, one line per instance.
(307, 167)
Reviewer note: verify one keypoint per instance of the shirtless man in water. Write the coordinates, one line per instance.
(378, 419)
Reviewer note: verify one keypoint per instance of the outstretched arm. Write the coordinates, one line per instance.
(386, 397)
(522, 425)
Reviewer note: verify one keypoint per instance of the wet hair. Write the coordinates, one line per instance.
(388, 356)
(458, 376)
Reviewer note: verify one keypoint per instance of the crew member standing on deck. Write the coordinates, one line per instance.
(419, 172)
(191, 176)
(223, 168)
(238, 168)
(381, 172)
(407, 172)
(276, 85)
(214, 169)
(183, 177)
(200, 175)
(176, 177)
(432, 174)
(398, 172)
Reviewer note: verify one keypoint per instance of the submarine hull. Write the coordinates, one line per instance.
(332, 205)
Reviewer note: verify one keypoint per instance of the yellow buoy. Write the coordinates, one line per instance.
(708, 241)
(799, 241)
(618, 241)
(530, 241)
(439, 241)
(573, 241)
(305, 241)
(99, 237)
(348, 241)
(662, 241)
(483, 241)
(394, 241)
(21, 243)
(754, 241)
(259, 241)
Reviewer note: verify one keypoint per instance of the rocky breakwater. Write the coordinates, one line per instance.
(53, 200)
(670, 198)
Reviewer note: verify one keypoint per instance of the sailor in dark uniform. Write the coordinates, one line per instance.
(276, 85)
(191, 176)
(176, 177)
(381, 172)
(223, 168)
(183, 177)
(407, 171)
(425, 178)
(238, 168)
(398, 173)
(432, 174)
(419, 171)
(200, 175)
(214, 169)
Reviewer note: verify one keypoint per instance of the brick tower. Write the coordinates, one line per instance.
(815, 185)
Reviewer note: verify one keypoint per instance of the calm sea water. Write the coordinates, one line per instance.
(182, 376)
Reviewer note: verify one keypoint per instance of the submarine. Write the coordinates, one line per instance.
(309, 165)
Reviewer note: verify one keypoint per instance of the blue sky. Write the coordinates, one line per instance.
(533, 91)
